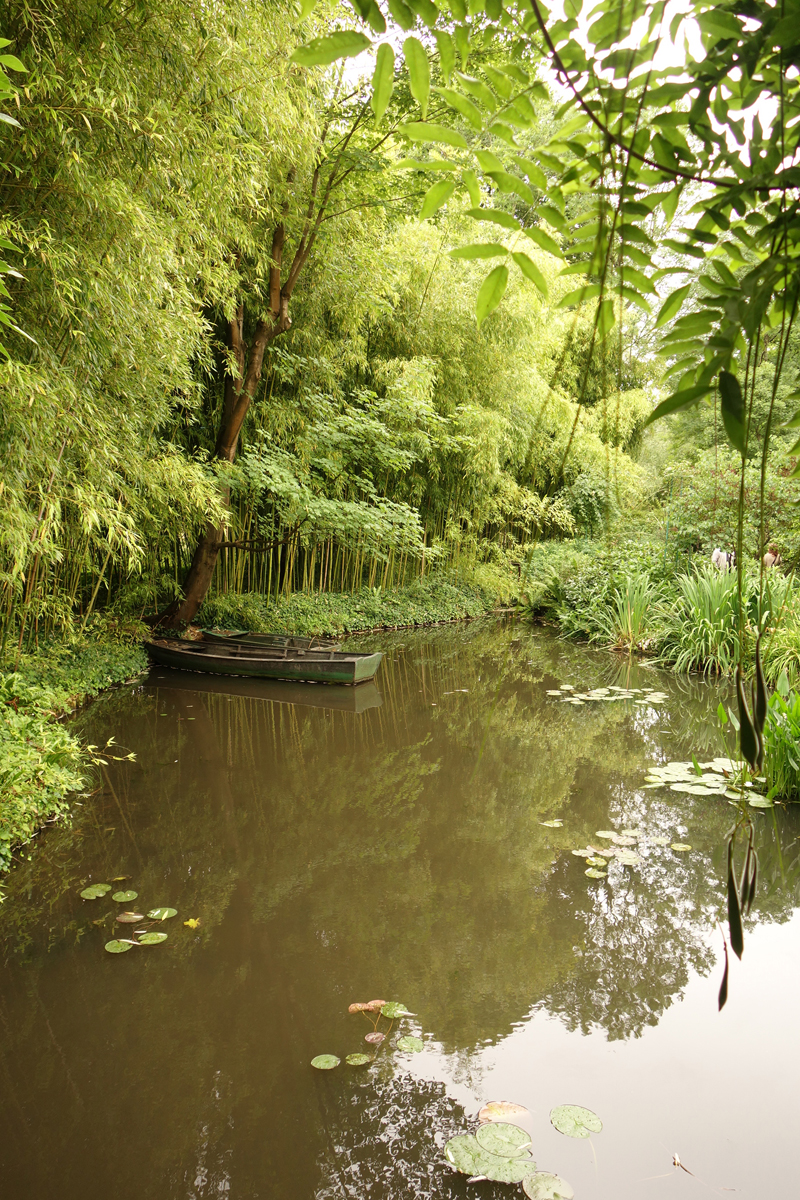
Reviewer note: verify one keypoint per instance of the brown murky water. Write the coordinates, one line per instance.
(342, 846)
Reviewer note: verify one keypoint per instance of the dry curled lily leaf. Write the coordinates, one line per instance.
(375, 1038)
(502, 1110)
(354, 1008)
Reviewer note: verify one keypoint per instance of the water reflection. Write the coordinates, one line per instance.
(332, 855)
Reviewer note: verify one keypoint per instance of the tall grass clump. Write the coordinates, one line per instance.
(701, 624)
(782, 742)
(628, 620)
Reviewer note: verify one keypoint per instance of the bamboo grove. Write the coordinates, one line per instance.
(328, 296)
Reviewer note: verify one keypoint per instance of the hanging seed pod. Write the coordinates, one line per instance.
(734, 911)
(751, 894)
(747, 734)
(761, 703)
(723, 991)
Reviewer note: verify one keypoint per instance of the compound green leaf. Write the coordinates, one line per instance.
(436, 195)
(491, 293)
(419, 72)
(322, 51)
(424, 131)
(382, 81)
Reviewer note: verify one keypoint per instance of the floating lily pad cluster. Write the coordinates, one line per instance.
(624, 849)
(146, 935)
(567, 694)
(718, 777)
(500, 1150)
(374, 1010)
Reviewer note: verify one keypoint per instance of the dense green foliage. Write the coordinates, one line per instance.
(42, 762)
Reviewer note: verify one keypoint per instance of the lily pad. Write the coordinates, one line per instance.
(606, 833)
(95, 890)
(585, 853)
(575, 1121)
(556, 824)
(412, 1044)
(375, 1038)
(394, 1010)
(596, 861)
(124, 897)
(544, 1186)
(631, 833)
(759, 802)
(659, 841)
(152, 939)
(325, 1062)
(465, 1153)
(161, 914)
(502, 1110)
(504, 1140)
(117, 947)
(358, 1060)
(680, 846)
(129, 918)
(593, 873)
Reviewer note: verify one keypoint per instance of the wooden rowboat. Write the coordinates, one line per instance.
(230, 637)
(263, 662)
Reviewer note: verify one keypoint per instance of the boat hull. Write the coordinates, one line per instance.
(272, 641)
(257, 663)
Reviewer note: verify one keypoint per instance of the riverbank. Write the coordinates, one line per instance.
(424, 602)
(42, 763)
(680, 610)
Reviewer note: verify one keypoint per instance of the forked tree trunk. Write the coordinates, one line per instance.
(240, 388)
(241, 383)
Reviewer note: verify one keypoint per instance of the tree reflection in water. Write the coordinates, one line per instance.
(334, 855)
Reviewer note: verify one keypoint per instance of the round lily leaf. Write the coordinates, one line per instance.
(325, 1062)
(502, 1110)
(759, 802)
(593, 873)
(574, 1121)
(394, 1010)
(152, 939)
(606, 833)
(161, 914)
(583, 853)
(129, 918)
(632, 833)
(659, 841)
(358, 1060)
(467, 1156)
(412, 1044)
(502, 1139)
(597, 861)
(95, 890)
(680, 846)
(374, 1039)
(555, 824)
(115, 947)
(544, 1186)
(125, 897)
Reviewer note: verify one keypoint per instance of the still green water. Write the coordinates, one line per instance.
(387, 842)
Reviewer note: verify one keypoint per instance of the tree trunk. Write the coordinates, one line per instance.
(240, 389)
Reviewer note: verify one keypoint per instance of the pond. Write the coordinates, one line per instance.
(396, 842)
